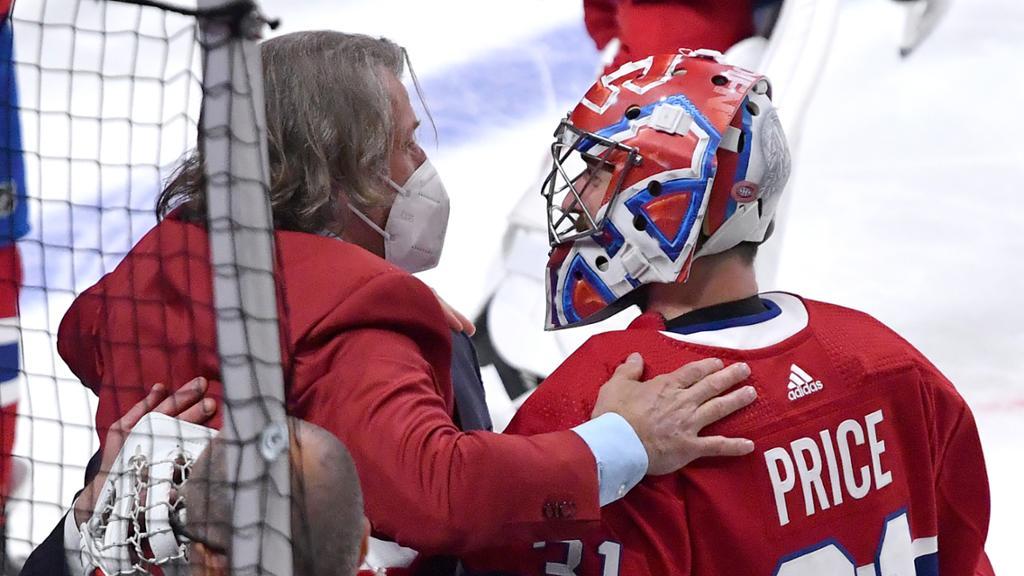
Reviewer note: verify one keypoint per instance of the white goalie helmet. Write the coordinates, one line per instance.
(136, 526)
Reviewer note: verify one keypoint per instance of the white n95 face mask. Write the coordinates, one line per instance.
(415, 229)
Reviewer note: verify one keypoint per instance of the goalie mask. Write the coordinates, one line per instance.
(137, 526)
(665, 160)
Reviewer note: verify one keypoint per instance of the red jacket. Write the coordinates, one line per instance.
(366, 355)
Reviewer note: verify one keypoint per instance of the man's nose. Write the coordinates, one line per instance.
(583, 186)
(569, 203)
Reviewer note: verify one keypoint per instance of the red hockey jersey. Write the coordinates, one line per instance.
(662, 27)
(867, 461)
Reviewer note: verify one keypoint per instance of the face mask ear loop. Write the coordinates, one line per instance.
(400, 190)
(369, 222)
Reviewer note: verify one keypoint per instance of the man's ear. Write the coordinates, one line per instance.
(364, 545)
(206, 562)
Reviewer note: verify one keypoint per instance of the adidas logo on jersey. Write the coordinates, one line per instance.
(801, 383)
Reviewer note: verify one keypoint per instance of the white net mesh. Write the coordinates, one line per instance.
(102, 103)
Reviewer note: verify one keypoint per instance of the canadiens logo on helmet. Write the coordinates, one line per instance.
(745, 191)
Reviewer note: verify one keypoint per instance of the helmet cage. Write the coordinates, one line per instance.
(137, 524)
(579, 156)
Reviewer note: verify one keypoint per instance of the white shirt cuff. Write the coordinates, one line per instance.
(621, 457)
(72, 543)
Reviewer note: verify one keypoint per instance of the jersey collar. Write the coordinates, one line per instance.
(757, 322)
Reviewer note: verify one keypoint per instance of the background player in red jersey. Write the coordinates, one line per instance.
(665, 179)
(13, 225)
(643, 27)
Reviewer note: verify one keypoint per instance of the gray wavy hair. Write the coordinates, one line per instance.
(329, 130)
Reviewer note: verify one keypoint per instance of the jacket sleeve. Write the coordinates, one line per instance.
(48, 559)
(77, 334)
(640, 542)
(375, 372)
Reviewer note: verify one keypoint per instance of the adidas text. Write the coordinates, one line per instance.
(801, 383)
(806, 389)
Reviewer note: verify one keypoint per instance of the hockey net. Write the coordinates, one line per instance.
(100, 101)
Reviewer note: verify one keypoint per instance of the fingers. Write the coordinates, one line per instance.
(467, 324)
(689, 374)
(714, 384)
(722, 446)
(455, 320)
(631, 369)
(717, 408)
(451, 317)
(616, 392)
(183, 398)
(114, 439)
(201, 412)
(157, 393)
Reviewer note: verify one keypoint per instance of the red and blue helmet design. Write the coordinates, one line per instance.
(665, 160)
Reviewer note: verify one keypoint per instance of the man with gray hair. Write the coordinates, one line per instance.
(366, 347)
